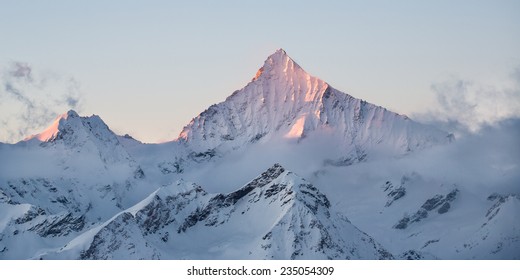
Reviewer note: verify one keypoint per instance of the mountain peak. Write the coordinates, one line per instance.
(278, 55)
(277, 63)
(283, 101)
(280, 50)
(71, 113)
(52, 131)
(72, 125)
(280, 58)
(85, 135)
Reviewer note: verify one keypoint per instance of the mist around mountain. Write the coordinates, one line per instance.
(287, 167)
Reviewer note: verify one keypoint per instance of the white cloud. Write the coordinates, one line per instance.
(466, 106)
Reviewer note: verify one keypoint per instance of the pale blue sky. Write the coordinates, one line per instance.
(148, 67)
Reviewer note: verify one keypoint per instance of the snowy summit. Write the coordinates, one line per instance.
(287, 167)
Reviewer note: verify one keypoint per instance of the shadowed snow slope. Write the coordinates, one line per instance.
(278, 215)
(78, 191)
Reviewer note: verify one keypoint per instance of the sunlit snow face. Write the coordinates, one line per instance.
(297, 129)
(51, 131)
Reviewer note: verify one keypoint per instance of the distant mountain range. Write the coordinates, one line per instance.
(285, 168)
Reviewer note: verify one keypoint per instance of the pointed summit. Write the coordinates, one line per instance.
(88, 135)
(285, 102)
(278, 63)
(278, 56)
(73, 128)
(71, 125)
(51, 132)
(72, 114)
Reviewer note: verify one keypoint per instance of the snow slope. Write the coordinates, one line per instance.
(285, 102)
(78, 191)
(58, 183)
(278, 215)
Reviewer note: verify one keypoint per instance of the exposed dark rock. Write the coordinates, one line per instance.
(428, 206)
(444, 208)
(315, 199)
(139, 173)
(388, 186)
(222, 201)
(433, 202)
(30, 215)
(327, 94)
(128, 136)
(59, 225)
(109, 237)
(452, 195)
(62, 199)
(403, 223)
(274, 189)
(429, 242)
(227, 137)
(359, 156)
(384, 254)
(202, 156)
(153, 216)
(171, 167)
(20, 191)
(165, 237)
(415, 255)
(395, 194)
(419, 215)
(495, 196)
(499, 200)
(257, 137)
(307, 194)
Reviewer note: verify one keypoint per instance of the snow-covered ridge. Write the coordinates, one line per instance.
(285, 102)
(77, 190)
(85, 137)
(52, 131)
(278, 215)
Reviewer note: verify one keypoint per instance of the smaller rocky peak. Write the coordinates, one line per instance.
(264, 179)
(51, 132)
(71, 114)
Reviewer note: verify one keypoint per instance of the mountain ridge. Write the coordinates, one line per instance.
(285, 102)
(78, 190)
(159, 223)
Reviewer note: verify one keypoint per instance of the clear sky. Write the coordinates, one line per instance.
(148, 67)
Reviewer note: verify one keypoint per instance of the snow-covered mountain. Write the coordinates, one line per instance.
(285, 102)
(56, 184)
(372, 184)
(430, 217)
(90, 137)
(74, 151)
(278, 215)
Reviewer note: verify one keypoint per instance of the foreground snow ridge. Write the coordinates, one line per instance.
(278, 215)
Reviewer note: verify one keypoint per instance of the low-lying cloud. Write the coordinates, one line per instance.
(31, 99)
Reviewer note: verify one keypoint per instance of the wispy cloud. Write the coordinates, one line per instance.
(30, 100)
(466, 106)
